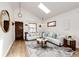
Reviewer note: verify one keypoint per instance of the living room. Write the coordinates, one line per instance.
(60, 23)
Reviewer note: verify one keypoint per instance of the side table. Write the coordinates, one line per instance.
(72, 44)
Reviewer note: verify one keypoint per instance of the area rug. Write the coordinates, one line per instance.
(50, 51)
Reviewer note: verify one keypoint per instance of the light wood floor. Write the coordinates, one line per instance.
(18, 49)
(76, 54)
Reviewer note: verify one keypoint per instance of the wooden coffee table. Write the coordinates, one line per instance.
(42, 42)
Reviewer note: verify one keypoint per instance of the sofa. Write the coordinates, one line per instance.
(53, 37)
(33, 36)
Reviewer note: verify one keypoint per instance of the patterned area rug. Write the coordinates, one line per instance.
(50, 51)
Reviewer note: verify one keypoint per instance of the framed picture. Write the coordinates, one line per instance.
(51, 24)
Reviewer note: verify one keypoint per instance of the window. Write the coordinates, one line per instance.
(32, 27)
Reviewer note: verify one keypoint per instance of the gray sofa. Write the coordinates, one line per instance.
(50, 36)
(54, 38)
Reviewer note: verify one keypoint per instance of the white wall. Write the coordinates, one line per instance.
(67, 23)
(6, 38)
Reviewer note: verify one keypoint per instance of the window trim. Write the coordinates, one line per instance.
(36, 27)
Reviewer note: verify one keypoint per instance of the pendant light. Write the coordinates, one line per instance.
(19, 13)
(42, 23)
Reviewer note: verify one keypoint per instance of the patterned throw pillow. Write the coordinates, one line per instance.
(54, 35)
(45, 34)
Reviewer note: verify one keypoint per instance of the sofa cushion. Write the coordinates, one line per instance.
(45, 34)
(50, 34)
(56, 41)
(54, 35)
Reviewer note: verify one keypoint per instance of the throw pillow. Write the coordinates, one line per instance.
(54, 35)
(46, 34)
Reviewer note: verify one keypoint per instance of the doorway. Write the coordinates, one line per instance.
(18, 30)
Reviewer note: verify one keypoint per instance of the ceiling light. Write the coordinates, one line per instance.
(19, 15)
(44, 8)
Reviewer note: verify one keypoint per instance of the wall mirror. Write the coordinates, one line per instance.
(5, 20)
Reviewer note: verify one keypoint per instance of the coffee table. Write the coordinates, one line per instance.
(42, 42)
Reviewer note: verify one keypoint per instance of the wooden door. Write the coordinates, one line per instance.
(18, 30)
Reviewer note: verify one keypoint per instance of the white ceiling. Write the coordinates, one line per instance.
(55, 7)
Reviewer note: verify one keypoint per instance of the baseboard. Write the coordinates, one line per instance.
(8, 49)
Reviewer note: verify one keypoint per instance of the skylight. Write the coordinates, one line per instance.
(44, 8)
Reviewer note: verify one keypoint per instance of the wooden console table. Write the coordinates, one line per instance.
(72, 44)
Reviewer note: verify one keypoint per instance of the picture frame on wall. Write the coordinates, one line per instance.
(51, 24)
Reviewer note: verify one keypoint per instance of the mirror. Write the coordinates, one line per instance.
(5, 20)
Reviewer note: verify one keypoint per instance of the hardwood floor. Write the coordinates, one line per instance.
(76, 54)
(18, 49)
